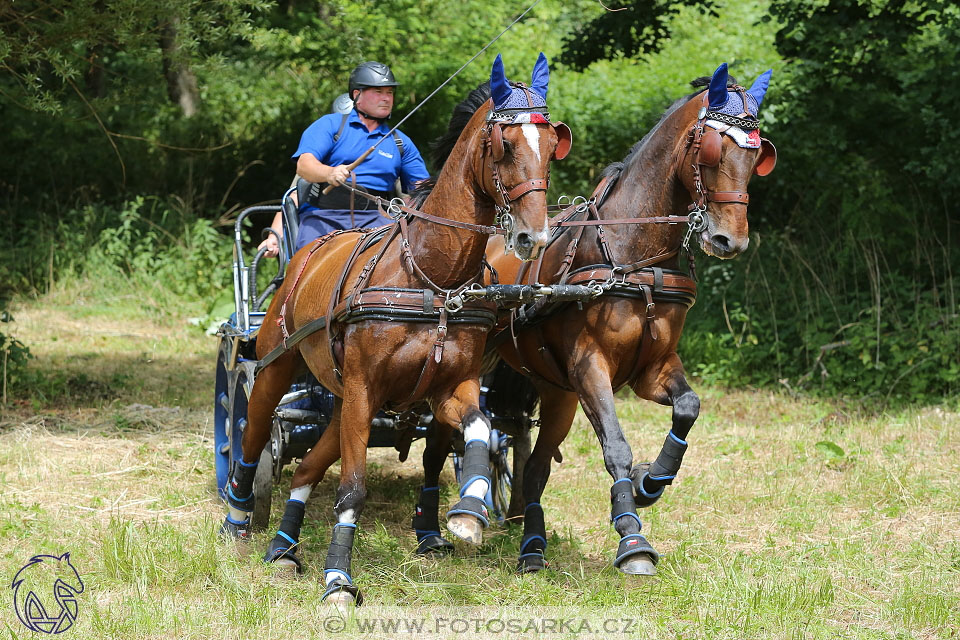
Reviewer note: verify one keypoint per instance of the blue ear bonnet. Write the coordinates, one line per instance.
(734, 105)
(507, 95)
(518, 100)
(722, 100)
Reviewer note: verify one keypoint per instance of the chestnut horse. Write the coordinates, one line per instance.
(704, 149)
(388, 339)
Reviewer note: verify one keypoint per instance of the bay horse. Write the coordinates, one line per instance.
(388, 339)
(704, 149)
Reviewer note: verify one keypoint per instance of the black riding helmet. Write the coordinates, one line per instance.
(371, 74)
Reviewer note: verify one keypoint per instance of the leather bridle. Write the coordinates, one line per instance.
(705, 144)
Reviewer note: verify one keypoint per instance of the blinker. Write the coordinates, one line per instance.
(564, 140)
(711, 145)
(767, 160)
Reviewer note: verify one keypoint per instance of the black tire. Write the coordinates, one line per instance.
(221, 416)
(263, 481)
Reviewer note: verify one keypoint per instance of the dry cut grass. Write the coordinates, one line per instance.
(792, 518)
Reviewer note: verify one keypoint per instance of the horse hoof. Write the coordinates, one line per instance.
(466, 527)
(434, 545)
(639, 565)
(531, 564)
(642, 497)
(232, 530)
(286, 567)
(341, 600)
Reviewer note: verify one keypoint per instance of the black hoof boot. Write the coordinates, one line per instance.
(468, 519)
(341, 592)
(635, 556)
(433, 544)
(645, 492)
(281, 549)
(426, 524)
(534, 545)
(531, 563)
(235, 530)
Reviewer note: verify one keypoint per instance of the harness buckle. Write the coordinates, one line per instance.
(454, 304)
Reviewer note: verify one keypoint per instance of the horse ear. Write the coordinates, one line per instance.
(711, 144)
(564, 140)
(499, 87)
(759, 87)
(768, 158)
(541, 76)
(718, 87)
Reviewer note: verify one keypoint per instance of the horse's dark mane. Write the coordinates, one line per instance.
(614, 169)
(441, 147)
(424, 188)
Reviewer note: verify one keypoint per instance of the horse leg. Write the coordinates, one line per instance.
(592, 381)
(310, 471)
(557, 409)
(268, 389)
(426, 519)
(357, 412)
(468, 517)
(667, 386)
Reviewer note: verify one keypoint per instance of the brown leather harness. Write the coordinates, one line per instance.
(640, 279)
(390, 304)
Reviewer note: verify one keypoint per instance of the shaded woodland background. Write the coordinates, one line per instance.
(133, 132)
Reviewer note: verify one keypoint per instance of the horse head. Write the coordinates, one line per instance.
(721, 151)
(512, 165)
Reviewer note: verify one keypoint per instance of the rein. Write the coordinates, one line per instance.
(432, 303)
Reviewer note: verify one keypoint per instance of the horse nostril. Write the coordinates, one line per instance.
(524, 241)
(721, 241)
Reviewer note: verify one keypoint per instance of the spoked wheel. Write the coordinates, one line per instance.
(230, 419)
(501, 474)
(221, 416)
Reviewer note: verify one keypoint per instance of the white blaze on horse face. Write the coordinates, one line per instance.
(532, 135)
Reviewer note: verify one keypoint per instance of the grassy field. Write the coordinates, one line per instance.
(792, 518)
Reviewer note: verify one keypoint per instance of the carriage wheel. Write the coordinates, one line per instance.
(521, 452)
(221, 416)
(236, 422)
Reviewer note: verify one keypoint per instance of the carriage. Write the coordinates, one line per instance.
(305, 411)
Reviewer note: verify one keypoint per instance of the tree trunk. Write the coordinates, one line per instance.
(181, 83)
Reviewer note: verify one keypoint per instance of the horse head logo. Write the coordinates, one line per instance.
(45, 593)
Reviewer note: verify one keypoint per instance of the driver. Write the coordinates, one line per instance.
(334, 141)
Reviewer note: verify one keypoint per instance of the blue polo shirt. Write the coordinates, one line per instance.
(381, 168)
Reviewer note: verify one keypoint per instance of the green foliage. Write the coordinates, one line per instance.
(831, 318)
(157, 252)
(13, 355)
(635, 29)
(851, 290)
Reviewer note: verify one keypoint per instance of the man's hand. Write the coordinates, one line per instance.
(338, 175)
